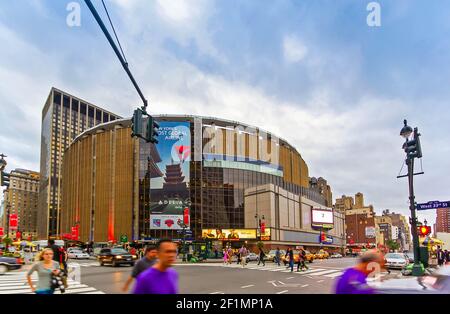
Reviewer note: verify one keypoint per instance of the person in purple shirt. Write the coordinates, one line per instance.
(161, 278)
(354, 280)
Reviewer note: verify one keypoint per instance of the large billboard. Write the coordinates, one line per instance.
(229, 234)
(322, 218)
(169, 191)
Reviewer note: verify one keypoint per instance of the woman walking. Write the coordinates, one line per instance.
(45, 267)
(225, 256)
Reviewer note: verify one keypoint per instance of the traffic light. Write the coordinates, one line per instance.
(423, 231)
(152, 130)
(136, 123)
(4, 179)
(412, 147)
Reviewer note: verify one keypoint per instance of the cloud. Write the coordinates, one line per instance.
(294, 50)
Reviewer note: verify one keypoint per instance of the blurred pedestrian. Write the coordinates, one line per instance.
(243, 252)
(440, 256)
(354, 280)
(225, 256)
(262, 256)
(161, 278)
(216, 253)
(290, 254)
(230, 255)
(45, 267)
(277, 256)
(301, 260)
(143, 264)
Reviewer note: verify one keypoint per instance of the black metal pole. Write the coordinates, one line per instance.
(116, 50)
(417, 269)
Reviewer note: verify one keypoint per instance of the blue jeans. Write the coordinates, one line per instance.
(291, 264)
(45, 291)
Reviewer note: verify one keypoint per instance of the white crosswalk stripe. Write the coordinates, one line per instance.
(329, 272)
(16, 283)
(334, 275)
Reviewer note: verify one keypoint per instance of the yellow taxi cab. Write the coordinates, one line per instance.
(309, 257)
(321, 254)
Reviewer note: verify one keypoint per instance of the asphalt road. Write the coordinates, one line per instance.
(216, 278)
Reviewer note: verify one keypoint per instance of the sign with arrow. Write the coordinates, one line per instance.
(433, 205)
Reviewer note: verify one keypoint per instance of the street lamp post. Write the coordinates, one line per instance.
(413, 150)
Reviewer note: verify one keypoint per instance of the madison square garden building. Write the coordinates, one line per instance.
(229, 177)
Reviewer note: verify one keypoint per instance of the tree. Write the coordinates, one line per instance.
(392, 245)
(260, 245)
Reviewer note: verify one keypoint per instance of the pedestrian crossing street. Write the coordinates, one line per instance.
(312, 271)
(16, 283)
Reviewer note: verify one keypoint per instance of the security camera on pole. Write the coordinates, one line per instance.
(413, 150)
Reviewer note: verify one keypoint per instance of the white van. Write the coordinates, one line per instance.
(44, 243)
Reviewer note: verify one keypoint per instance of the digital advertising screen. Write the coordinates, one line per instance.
(169, 191)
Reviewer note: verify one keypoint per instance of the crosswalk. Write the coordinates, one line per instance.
(316, 272)
(16, 283)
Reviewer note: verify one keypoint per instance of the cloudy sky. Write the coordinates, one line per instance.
(312, 72)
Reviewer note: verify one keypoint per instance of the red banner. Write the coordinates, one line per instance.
(13, 221)
(1, 232)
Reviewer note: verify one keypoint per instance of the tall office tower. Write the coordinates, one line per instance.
(22, 200)
(64, 117)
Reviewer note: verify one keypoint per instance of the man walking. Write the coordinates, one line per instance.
(290, 254)
(261, 257)
(160, 278)
(277, 256)
(354, 280)
(440, 256)
(302, 260)
(143, 264)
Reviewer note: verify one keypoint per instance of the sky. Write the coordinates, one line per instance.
(313, 72)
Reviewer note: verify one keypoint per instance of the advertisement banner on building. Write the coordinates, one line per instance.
(13, 222)
(1, 232)
(230, 234)
(322, 218)
(266, 235)
(169, 183)
(370, 232)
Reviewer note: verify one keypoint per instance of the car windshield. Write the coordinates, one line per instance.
(118, 251)
(395, 256)
(76, 251)
(272, 252)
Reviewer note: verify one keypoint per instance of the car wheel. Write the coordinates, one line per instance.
(101, 263)
(3, 269)
(131, 264)
(114, 264)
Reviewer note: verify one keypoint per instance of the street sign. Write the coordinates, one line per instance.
(123, 239)
(433, 205)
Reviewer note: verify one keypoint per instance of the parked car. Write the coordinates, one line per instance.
(77, 254)
(321, 254)
(396, 260)
(252, 257)
(115, 257)
(9, 263)
(335, 255)
(436, 283)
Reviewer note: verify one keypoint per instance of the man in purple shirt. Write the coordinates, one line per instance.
(354, 280)
(161, 278)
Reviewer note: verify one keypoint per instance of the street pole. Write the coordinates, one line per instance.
(417, 269)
